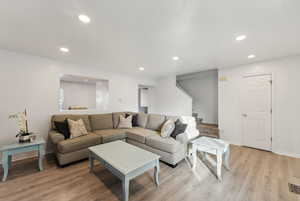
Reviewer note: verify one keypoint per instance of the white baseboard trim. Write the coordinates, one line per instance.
(232, 142)
(294, 155)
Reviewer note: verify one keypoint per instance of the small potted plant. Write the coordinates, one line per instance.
(23, 135)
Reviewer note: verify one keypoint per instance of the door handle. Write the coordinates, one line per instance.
(244, 115)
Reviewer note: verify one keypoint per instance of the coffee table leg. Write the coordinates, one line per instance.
(219, 166)
(125, 187)
(156, 173)
(194, 154)
(91, 162)
(9, 161)
(204, 155)
(41, 156)
(226, 158)
(5, 165)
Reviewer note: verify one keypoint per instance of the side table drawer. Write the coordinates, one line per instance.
(22, 149)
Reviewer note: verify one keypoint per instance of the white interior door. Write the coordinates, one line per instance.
(257, 111)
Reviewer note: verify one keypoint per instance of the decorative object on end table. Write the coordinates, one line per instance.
(24, 135)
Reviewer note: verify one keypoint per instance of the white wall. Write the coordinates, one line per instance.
(203, 87)
(286, 103)
(144, 97)
(166, 98)
(78, 94)
(33, 83)
(102, 95)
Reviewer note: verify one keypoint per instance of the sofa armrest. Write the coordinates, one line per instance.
(56, 137)
(184, 138)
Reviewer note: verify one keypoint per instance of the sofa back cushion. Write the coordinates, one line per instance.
(173, 118)
(155, 121)
(142, 119)
(102, 121)
(75, 117)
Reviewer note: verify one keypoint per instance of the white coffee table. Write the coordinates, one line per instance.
(213, 146)
(125, 161)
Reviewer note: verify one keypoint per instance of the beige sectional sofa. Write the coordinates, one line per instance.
(102, 128)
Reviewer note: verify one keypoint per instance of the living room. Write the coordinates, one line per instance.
(91, 107)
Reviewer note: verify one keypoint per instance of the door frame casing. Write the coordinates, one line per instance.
(272, 105)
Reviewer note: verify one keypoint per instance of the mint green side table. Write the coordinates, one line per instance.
(9, 150)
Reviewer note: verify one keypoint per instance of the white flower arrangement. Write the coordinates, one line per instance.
(21, 118)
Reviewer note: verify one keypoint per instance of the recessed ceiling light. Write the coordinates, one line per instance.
(141, 68)
(241, 37)
(84, 18)
(175, 58)
(251, 56)
(64, 50)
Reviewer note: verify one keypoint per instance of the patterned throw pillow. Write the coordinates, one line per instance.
(167, 128)
(77, 128)
(125, 122)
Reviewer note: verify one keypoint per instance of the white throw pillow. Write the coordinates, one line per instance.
(77, 128)
(167, 128)
(125, 122)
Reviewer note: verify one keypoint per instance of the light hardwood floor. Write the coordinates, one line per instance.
(254, 176)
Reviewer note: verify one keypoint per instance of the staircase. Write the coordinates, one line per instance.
(182, 89)
(208, 130)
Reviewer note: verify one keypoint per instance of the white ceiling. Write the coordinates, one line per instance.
(124, 35)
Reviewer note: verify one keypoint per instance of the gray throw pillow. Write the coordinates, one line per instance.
(179, 129)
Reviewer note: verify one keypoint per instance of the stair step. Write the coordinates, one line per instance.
(209, 130)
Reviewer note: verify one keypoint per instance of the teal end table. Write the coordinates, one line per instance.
(9, 150)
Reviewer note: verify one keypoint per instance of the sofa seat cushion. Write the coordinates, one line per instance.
(168, 144)
(78, 143)
(109, 135)
(139, 134)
